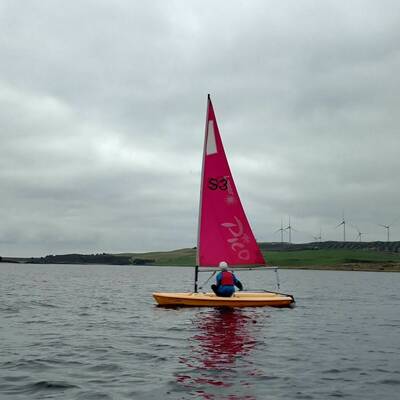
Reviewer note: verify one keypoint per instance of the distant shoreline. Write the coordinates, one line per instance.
(341, 267)
(333, 256)
(349, 267)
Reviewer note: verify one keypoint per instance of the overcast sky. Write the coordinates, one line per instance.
(102, 113)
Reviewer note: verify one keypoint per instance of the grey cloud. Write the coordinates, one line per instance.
(101, 123)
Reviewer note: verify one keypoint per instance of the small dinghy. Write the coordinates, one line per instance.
(224, 233)
(239, 299)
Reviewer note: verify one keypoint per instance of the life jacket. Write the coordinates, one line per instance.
(227, 278)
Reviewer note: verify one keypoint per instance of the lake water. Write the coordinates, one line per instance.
(94, 332)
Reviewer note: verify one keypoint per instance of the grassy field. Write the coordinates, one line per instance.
(336, 259)
(313, 259)
(182, 257)
(329, 257)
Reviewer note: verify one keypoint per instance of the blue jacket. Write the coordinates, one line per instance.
(227, 290)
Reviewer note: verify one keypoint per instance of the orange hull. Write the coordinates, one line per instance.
(241, 299)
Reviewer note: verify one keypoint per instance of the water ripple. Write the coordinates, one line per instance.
(94, 332)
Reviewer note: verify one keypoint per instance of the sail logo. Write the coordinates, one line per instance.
(238, 240)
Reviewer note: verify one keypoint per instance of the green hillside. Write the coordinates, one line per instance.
(373, 256)
(335, 259)
(330, 258)
(182, 257)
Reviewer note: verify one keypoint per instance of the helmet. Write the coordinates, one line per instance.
(223, 266)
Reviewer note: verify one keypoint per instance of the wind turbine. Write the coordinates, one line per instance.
(281, 229)
(344, 227)
(290, 229)
(359, 234)
(387, 227)
(319, 237)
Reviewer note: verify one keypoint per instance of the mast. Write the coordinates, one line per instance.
(196, 272)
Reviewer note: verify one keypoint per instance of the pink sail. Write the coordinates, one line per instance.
(224, 231)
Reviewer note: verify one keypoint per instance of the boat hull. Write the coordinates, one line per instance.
(240, 299)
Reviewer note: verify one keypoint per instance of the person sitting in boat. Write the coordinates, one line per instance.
(226, 282)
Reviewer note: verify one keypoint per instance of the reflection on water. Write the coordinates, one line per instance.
(223, 336)
(218, 351)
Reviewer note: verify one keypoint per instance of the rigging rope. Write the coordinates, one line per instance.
(205, 283)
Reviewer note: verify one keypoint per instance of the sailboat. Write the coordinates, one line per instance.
(224, 233)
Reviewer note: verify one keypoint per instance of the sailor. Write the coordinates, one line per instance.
(226, 282)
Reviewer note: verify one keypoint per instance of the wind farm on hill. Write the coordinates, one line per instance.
(286, 232)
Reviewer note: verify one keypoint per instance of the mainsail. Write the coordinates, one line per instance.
(224, 231)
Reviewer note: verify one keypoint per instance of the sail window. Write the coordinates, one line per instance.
(211, 144)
